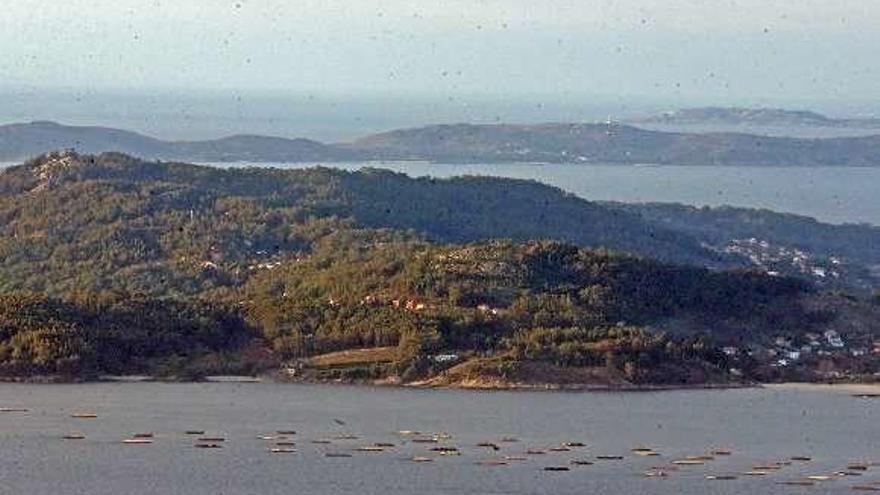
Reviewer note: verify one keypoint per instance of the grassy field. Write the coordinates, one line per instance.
(353, 357)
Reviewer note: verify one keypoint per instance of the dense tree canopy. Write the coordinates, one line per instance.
(109, 264)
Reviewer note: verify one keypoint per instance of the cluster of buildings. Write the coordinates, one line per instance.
(777, 260)
(785, 351)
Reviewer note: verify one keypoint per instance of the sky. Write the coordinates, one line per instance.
(817, 53)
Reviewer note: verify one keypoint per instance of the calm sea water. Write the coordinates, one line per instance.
(831, 194)
(759, 425)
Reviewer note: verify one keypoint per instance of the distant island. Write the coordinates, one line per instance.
(112, 265)
(756, 116)
(569, 143)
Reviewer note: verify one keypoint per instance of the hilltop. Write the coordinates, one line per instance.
(574, 143)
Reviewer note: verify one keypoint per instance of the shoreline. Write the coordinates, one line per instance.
(842, 387)
(850, 388)
(386, 383)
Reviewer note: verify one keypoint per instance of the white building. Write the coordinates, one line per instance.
(833, 338)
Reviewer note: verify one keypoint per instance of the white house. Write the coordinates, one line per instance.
(833, 338)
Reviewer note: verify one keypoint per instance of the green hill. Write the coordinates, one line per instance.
(110, 264)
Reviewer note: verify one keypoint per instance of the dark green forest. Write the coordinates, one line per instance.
(113, 265)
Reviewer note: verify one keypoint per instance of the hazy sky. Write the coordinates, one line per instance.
(718, 50)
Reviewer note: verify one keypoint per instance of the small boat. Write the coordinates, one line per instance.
(722, 452)
(796, 482)
(581, 462)
(557, 468)
(383, 444)
(442, 435)
(83, 415)
(408, 433)
(670, 467)
(559, 449)
(212, 439)
(266, 437)
(285, 443)
(143, 435)
(820, 477)
(700, 458)
(137, 441)
(721, 477)
(866, 488)
(370, 448)
(281, 450)
(688, 462)
(444, 449)
(12, 409)
(848, 473)
(801, 458)
(194, 432)
(536, 452)
(208, 445)
(609, 457)
(858, 467)
(766, 467)
(425, 440)
(286, 432)
(74, 436)
(492, 462)
(321, 441)
(489, 445)
(515, 458)
(421, 459)
(450, 452)
(337, 454)
(755, 473)
(509, 439)
(646, 453)
(574, 444)
(636, 450)
(655, 473)
(346, 436)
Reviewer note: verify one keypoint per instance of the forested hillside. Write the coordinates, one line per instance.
(110, 264)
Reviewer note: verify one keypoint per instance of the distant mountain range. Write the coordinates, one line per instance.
(544, 143)
(22, 141)
(755, 116)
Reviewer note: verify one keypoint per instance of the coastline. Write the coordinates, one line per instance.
(471, 385)
(849, 388)
(476, 385)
